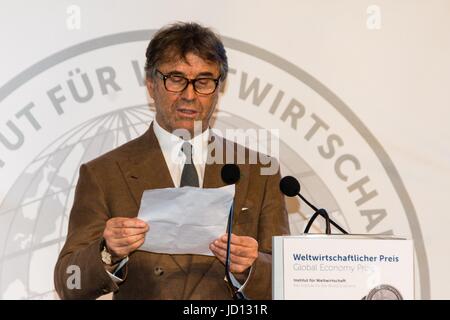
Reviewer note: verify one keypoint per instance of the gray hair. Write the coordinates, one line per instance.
(178, 39)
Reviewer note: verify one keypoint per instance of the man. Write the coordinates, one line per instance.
(185, 70)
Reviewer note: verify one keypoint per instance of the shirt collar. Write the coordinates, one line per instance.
(169, 141)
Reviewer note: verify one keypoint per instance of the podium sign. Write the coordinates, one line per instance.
(343, 267)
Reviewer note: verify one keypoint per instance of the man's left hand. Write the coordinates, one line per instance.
(243, 251)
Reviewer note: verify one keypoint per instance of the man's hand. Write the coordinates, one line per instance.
(124, 235)
(243, 251)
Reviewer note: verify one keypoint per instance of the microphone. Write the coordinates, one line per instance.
(230, 175)
(290, 187)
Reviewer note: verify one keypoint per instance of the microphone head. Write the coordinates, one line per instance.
(290, 186)
(230, 173)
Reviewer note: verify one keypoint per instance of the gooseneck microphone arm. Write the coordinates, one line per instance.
(324, 214)
(290, 187)
(307, 202)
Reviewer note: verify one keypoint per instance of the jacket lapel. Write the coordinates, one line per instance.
(146, 169)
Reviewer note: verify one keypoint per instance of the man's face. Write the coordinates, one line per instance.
(180, 110)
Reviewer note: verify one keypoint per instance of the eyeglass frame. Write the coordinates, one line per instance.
(189, 81)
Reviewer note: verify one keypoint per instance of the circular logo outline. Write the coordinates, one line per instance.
(282, 64)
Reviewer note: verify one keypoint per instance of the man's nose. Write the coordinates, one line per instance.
(189, 93)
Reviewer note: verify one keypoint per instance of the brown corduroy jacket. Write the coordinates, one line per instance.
(112, 186)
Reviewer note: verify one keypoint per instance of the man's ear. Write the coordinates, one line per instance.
(150, 87)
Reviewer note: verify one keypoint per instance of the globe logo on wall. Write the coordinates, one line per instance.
(35, 209)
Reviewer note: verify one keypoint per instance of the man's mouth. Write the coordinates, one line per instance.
(187, 113)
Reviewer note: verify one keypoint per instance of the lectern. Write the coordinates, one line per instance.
(331, 266)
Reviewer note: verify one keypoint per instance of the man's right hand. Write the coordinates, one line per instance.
(124, 235)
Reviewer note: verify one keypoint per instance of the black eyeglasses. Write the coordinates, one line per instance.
(176, 83)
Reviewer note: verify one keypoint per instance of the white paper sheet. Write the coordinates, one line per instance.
(185, 220)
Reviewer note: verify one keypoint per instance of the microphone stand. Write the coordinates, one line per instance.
(231, 280)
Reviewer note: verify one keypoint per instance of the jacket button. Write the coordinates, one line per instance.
(158, 271)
